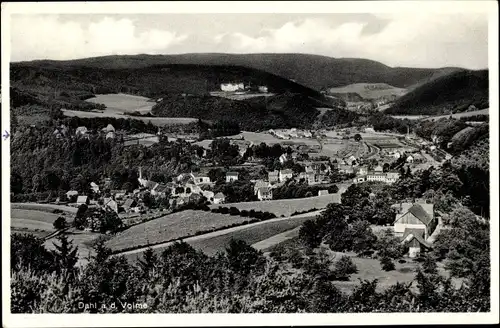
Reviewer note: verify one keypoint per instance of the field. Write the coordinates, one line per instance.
(158, 121)
(370, 90)
(170, 227)
(282, 207)
(252, 234)
(123, 103)
(485, 111)
(43, 207)
(38, 223)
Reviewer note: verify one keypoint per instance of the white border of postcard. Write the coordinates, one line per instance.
(126, 320)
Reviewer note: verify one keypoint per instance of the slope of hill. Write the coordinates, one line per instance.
(453, 92)
(369, 91)
(314, 71)
(152, 81)
(279, 111)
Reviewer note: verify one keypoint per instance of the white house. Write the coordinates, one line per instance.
(409, 159)
(285, 175)
(391, 177)
(200, 178)
(219, 198)
(415, 216)
(260, 184)
(322, 192)
(94, 187)
(71, 193)
(273, 176)
(265, 193)
(81, 130)
(110, 135)
(82, 200)
(362, 170)
(263, 89)
(283, 158)
(110, 204)
(378, 169)
(414, 239)
(231, 87)
(231, 176)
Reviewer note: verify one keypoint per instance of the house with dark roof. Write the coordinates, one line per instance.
(129, 204)
(417, 215)
(265, 193)
(414, 239)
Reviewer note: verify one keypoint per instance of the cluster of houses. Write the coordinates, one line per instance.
(240, 86)
(375, 175)
(82, 132)
(287, 134)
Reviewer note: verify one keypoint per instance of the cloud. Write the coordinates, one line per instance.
(404, 40)
(37, 37)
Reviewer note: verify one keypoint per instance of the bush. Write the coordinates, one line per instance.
(234, 211)
(402, 261)
(60, 223)
(387, 264)
(344, 268)
(57, 211)
(215, 210)
(224, 210)
(244, 213)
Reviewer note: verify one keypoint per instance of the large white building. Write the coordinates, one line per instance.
(231, 87)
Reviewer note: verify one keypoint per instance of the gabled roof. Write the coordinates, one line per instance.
(232, 173)
(129, 202)
(287, 171)
(72, 193)
(260, 184)
(151, 184)
(264, 190)
(420, 213)
(219, 195)
(418, 234)
(273, 172)
(82, 199)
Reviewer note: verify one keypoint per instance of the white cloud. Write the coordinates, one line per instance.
(38, 37)
(407, 40)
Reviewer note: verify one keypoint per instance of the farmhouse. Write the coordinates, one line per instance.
(283, 158)
(260, 184)
(265, 193)
(219, 198)
(81, 130)
(208, 195)
(263, 89)
(391, 177)
(110, 135)
(231, 176)
(285, 175)
(347, 169)
(71, 193)
(409, 159)
(129, 204)
(82, 200)
(110, 204)
(200, 178)
(322, 192)
(415, 216)
(414, 239)
(273, 176)
(94, 187)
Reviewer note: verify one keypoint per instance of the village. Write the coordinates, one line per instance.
(318, 160)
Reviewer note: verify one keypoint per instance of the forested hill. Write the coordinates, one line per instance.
(455, 92)
(314, 71)
(48, 78)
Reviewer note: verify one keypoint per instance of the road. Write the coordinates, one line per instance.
(216, 233)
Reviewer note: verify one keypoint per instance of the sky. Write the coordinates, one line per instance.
(409, 39)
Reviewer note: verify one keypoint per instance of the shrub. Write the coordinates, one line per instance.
(57, 211)
(344, 268)
(234, 211)
(215, 210)
(224, 210)
(387, 264)
(60, 223)
(244, 213)
(402, 261)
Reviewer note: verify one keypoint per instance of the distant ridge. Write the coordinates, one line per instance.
(314, 71)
